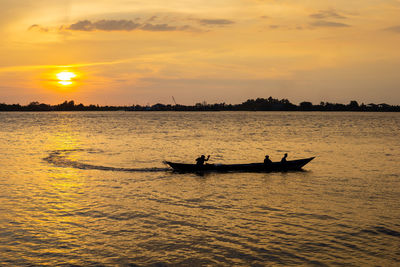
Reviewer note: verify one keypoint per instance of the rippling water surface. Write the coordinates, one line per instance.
(91, 189)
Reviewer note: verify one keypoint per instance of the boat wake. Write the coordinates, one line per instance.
(59, 158)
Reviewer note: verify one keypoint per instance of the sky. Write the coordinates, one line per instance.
(125, 52)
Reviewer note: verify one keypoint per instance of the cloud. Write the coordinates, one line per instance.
(123, 25)
(158, 27)
(322, 15)
(324, 23)
(82, 25)
(104, 25)
(149, 24)
(220, 22)
(116, 25)
(394, 29)
(36, 27)
(153, 18)
(77, 65)
(325, 14)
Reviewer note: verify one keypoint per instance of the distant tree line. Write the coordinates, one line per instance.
(66, 106)
(259, 104)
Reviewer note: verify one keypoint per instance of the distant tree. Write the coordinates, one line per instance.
(35, 103)
(306, 106)
(353, 105)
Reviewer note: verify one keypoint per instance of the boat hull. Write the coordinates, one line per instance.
(292, 165)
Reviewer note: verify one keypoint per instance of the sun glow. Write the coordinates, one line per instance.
(65, 77)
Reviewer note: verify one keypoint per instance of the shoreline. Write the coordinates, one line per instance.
(259, 104)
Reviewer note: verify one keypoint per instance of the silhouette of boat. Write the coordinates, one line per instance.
(290, 165)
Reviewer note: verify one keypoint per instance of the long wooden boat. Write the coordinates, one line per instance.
(290, 165)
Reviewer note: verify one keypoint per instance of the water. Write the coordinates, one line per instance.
(90, 189)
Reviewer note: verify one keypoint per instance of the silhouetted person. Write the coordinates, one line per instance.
(284, 158)
(200, 160)
(267, 161)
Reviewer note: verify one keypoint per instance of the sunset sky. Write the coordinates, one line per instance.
(125, 52)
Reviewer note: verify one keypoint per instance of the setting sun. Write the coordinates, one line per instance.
(65, 77)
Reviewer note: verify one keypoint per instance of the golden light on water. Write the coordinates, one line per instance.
(65, 77)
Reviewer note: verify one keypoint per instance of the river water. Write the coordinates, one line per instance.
(90, 189)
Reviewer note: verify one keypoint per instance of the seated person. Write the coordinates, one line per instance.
(200, 160)
(267, 161)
